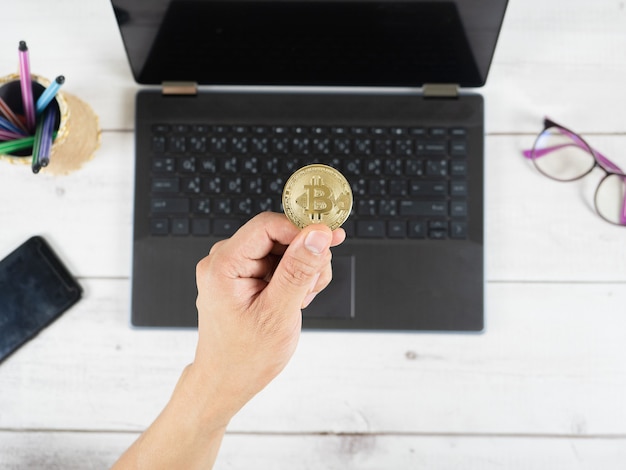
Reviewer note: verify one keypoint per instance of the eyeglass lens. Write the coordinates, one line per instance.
(564, 156)
(610, 199)
(561, 155)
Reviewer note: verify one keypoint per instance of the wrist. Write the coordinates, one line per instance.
(201, 397)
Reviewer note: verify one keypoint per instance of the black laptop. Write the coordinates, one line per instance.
(246, 92)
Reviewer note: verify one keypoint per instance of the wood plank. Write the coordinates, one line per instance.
(550, 362)
(76, 450)
(541, 230)
(86, 216)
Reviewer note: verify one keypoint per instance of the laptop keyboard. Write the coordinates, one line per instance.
(407, 182)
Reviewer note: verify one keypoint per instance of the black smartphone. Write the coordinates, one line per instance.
(35, 289)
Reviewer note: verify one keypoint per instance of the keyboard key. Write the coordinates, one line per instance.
(239, 145)
(423, 209)
(404, 148)
(398, 187)
(458, 188)
(458, 208)
(253, 185)
(437, 234)
(158, 144)
(414, 167)
(197, 144)
(370, 228)
(301, 146)
(341, 146)
(243, 206)
(352, 166)
(436, 167)
(428, 188)
(438, 148)
(192, 184)
(280, 145)
(159, 226)
(200, 227)
(226, 227)
(417, 229)
(176, 144)
(222, 206)
(388, 207)
(367, 207)
(383, 147)
(160, 128)
(180, 226)
(396, 229)
(229, 164)
(202, 206)
(212, 185)
(458, 168)
(233, 185)
(165, 185)
(169, 205)
(264, 204)
(458, 132)
(219, 144)
(394, 166)
(208, 165)
(374, 166)
(417, 131)
(321, 146)
(260, 145)
(250, 165)
(458, 230)
(187, 164)
(164, 165)
(438, 131)
(458, 148)
(363, 146)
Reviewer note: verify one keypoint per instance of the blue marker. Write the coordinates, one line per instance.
(48, 94)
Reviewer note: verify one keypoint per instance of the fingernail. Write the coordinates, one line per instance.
(316, 241)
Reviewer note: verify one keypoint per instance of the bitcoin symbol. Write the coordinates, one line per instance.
(317, 200)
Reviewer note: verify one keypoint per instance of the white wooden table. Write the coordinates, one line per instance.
(543, 387)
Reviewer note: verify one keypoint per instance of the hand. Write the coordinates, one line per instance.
(251, 289)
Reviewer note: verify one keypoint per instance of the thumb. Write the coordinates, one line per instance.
(300, 267)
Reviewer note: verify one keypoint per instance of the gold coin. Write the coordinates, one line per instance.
(317, 194)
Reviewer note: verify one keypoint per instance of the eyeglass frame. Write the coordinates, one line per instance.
(600, 161)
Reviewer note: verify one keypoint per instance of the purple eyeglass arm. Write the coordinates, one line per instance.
(601, 159)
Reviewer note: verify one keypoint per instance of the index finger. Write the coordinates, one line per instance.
(245, 254)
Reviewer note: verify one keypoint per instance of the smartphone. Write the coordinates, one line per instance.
(35, 289)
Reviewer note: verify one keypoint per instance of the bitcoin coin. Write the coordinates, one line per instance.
(317, 194)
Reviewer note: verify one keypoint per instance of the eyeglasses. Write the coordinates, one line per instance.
(563, 155)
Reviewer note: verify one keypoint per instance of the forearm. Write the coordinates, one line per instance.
(187, 434)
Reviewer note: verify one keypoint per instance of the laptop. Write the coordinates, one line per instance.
(240, 94)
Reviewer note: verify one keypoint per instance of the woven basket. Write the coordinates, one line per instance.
(78, 135)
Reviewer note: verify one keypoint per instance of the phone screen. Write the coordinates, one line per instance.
(35, 288)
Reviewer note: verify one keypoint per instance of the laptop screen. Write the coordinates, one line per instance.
(310, 43)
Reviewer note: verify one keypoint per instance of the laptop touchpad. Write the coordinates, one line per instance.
(337, 300)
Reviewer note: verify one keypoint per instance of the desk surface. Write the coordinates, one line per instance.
(543, 387)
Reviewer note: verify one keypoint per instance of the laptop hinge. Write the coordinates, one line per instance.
(179, 88)
(441, 90)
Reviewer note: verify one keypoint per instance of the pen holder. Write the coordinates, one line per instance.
(77, 126)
